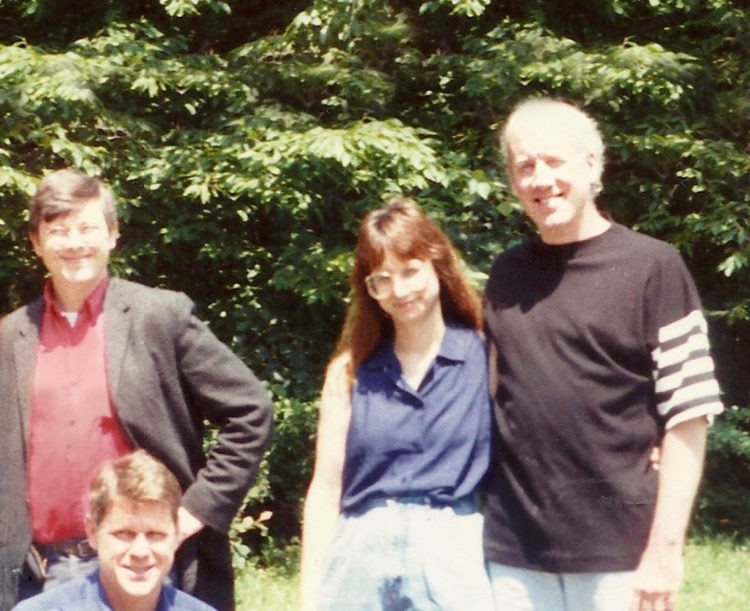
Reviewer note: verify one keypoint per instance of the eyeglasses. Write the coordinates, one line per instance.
(412, 278)
(58, 234)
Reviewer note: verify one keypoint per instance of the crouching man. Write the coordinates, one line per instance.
(132, 527)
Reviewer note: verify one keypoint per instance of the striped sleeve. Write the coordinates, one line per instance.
(684, 371)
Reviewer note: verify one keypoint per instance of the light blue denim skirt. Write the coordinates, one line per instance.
(407, 555)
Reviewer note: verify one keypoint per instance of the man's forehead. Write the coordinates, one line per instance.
(127, 511)
(537, 142)
(546, 130)
(68, 211)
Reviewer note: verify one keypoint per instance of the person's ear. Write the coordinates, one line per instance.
(114, 234)
(91, 529)
(513, 189)
(511, 174)
(34, 239)
(594, 165)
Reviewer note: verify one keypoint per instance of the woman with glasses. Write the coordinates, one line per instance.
(390, 519)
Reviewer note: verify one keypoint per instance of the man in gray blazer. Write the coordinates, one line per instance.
(95, 368)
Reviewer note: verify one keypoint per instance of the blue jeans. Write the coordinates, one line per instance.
(28, 586)
(59, 569)
(407, 555)
(518, 589)
(65, 567)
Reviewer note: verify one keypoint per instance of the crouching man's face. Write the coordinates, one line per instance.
(136, 543)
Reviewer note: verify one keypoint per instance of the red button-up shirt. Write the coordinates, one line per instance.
(73, 425)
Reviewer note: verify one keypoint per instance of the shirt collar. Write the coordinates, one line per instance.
(96, 577)
(453, 347)
(92, 306)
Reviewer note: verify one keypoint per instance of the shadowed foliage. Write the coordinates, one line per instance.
(246, 139)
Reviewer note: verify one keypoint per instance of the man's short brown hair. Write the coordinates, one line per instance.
(137, 477)
(65, 191)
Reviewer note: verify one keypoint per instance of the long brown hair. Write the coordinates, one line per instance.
(400, 227)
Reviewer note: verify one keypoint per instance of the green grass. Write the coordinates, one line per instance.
(716, 578)
(266, 590)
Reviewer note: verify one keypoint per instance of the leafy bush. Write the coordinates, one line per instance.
(246, 140)
(723, 504)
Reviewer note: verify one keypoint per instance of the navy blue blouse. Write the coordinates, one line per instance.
(433, 441)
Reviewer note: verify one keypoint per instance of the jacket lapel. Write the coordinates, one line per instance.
(24, 356)
(116, 331)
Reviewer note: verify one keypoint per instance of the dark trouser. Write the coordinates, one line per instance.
(50, 566)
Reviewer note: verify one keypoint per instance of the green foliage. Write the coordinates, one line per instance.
(715, 577)
(723, 505)
(715, 569)
(469, 8)
(245, 142)
(179, 8)
(267, 588)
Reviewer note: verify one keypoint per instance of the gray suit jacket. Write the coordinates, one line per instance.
(167, 373)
